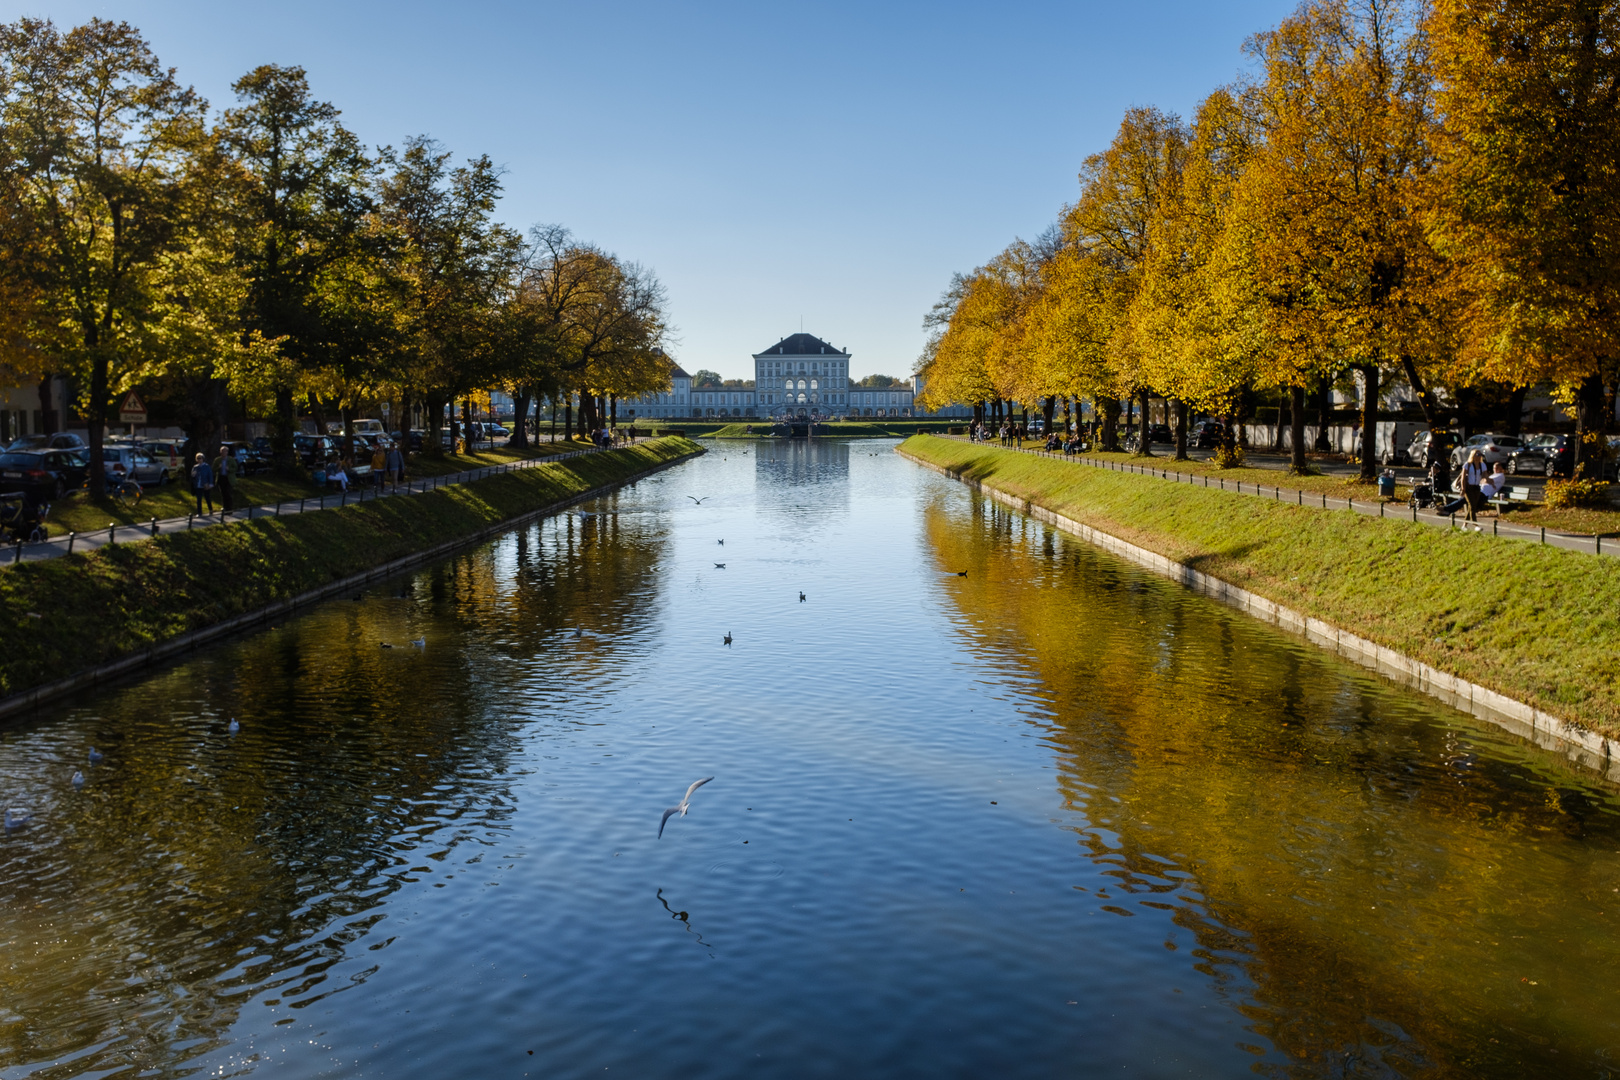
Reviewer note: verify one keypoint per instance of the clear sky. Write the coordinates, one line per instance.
(829, 161)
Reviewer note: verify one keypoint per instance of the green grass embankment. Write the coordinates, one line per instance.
(98, 606)
(1539, 624)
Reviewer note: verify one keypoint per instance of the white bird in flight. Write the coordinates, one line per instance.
(697, 500)
(682, 808)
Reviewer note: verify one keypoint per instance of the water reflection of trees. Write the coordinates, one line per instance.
(1382, 871)
(199, 871)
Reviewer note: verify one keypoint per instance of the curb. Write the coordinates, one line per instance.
(1585, 748)
(138, 662)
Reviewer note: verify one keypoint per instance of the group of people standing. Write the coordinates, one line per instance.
(387, 465)
(1009, 434)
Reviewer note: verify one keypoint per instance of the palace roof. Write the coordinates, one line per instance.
(801, 345)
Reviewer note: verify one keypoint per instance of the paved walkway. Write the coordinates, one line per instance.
(1370, 506)
(358, 492)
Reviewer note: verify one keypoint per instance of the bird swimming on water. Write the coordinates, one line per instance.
(233, 727)
(420, 643)
(78, 779)
(685, 799)
(722, 543)
(801, 597)
(96, 756)
(727, 639)
(16, 819)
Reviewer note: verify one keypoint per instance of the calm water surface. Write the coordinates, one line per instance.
(1053, 818)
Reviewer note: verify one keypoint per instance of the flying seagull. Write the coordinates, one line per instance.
(722, 543)
(719, 566)
(697, 500)
(682, 808)
(420, 643)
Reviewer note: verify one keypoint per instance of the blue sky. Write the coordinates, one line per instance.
(834, 162)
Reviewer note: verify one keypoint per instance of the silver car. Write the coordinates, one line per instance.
(134, 463)
(1494, 447)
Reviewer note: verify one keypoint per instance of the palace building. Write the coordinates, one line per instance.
(801, 375)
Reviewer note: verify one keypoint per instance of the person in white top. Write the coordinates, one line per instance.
(1496, 483)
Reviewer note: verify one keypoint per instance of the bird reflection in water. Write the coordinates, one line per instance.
(684, 920)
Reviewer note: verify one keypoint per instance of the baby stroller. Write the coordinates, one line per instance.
(22, 518)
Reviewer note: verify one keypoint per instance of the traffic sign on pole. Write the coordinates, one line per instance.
(132, 410)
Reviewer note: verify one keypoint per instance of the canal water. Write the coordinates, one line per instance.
(1055, 817)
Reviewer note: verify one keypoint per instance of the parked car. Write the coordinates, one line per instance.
(1160, 433)
(134, 463)
(411, 440)
(1494, 447)
(1205, 435)
(1430, 446)
(248, 459)
(1544, 455)
(498, 432)
(46, 474)
(313, 450)
(167, 452)
(1403, 435)
(62, 440)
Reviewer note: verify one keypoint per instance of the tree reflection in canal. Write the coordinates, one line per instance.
(1408, 891)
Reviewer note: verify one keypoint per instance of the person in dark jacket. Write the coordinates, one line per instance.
(202, 483)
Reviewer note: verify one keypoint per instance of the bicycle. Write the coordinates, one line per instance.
(122, 488)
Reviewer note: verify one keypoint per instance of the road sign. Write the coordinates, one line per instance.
(133, 409)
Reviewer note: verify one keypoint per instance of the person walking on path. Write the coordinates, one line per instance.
(396, 464)
(1473, 476)
(223, 474)
(202, 484)
(379, 466)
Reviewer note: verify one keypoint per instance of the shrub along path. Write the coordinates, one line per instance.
(1322, 492)
(131, 532)
(1536, 623)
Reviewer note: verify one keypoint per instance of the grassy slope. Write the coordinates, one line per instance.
(82, 513)
(101, 605)
(1539, 624)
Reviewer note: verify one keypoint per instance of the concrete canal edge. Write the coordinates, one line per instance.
(140, 661)
(1585, 748)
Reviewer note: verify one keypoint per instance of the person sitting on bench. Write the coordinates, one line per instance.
(1496, 483)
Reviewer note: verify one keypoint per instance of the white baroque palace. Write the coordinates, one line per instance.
(801, 375)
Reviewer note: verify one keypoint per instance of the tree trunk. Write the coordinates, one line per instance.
(613, 410)
(1296, 431)
(433, 442)
(316, 411)
(1277, 434)
(98, 422)
(568, 418)
(1426, 398)
(404, 422)
(1590, 428)
(1182, 412)
(1110, 422)
(282, 428)
(1368, 450)
(1144, 446)
(47, 415)
(520, 419)
(1047, 410)
(1324, 414)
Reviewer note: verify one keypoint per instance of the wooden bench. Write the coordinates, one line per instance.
(1508, 497)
